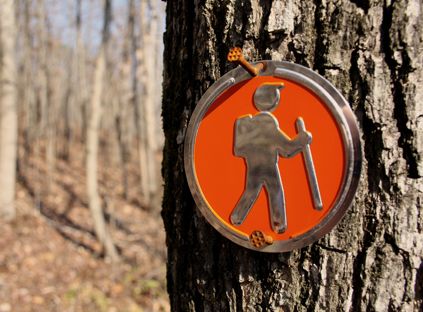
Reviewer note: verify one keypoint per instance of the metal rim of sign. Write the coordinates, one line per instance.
(339, 109)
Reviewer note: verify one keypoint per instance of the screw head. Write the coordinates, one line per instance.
(259, 240)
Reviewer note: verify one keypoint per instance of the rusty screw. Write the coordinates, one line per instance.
(258, 239)
(235, 55)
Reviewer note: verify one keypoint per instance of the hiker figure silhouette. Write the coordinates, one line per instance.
(259, 140)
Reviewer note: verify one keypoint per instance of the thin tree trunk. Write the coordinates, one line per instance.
(52, 115)
(145, 119)
(47, 107)
(68, 103)
(123, 153)
(81, 72)
(372, 52)
(151, 96)
(137, 57)
(92, 143)
(43, 74)
(8, 109)
(129, 93)
(27, 108)
(158, 42)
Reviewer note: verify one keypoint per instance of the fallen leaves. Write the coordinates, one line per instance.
(50, 260)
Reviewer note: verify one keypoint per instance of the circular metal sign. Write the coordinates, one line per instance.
(273, 161)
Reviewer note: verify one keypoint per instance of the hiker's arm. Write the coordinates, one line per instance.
(288, 147)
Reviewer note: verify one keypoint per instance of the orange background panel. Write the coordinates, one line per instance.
(221, 175)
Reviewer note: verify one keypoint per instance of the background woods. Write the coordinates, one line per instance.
(80, 146)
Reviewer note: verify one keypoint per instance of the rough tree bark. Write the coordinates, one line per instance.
(372, 52)
(8, 109)
(92, 142)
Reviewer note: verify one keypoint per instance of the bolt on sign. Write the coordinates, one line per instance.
(272, 155)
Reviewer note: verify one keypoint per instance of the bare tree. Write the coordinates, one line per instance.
(146, 121)
(128, 93)
(8, 106)
(93, 138)
(372, 52)
(26, 90)
(81, 70)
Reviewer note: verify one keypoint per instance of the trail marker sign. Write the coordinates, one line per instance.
(272, 155)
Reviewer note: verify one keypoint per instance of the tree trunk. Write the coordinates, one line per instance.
(81, 71)
(128, 94)
(27, 101)
(147, 149)
(8, 109)
(92, 144)
(136, 78)
(372, 52)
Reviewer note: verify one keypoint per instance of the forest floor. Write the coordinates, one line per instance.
(50, 259)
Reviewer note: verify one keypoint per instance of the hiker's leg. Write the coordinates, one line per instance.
(276, 197)
(243, 207)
